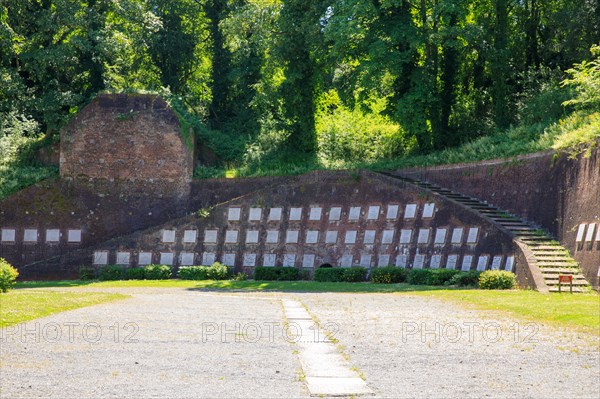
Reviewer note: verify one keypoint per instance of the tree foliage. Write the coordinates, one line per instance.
(406, 76)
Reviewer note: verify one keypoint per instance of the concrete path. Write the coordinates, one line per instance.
(325, 369)
(173, 343)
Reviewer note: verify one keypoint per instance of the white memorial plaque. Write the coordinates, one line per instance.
(428, 210)
(383, 261)
(30, 235)
(457, 235)
(123, 258)
(590, 232)
(580, 232)
(466, 263)
(291, 237)
(275, 214)
(354, 213)
(210, 236)
(435, 262)
(231, 236)
(423, 236)
(74, 235)
(335, 213)
(369, 237)
(472, 237)
(166, 258)
(440, 236)
(8, 235)
(186, 259)
(269, 259)
(272, 236)
(598, 233)
(52, 235)
(419, 261)
(346, 261)
(331, 237)
(312, 236)
(496, 262)
(401, 260)
(289, 260)
(510, 262)
(373, 213)
(295, 213)
(229, 259)
(255, 214)
(392, 212)
(249, 260)
(189, 236)
(234, 214)
(387, 237)
(452, 261)
(168, 236)
(100, 258)
(410, 211)
(482, 262)
(251, 236)
(350, 237)
(308, 261)
(315, 213)
(208, 258)
(144, 258)
(365, 261)
(405, 236)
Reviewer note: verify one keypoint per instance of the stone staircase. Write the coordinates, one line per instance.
(552, 258)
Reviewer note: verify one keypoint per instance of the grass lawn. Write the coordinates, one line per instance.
(17, 306)
(574, 311)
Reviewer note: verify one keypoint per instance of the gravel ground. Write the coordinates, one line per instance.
(395, 342)
(177, 349)
(169, 359)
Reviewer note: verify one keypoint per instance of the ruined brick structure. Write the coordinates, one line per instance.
(136, 140)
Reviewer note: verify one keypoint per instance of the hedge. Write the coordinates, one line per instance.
(276, 273)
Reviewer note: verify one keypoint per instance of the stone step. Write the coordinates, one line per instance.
(566, 289)
(545, 246)
(560, 270)
(558, 264)
(555, 259)
(576, 283)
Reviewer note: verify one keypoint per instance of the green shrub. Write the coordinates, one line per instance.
(440, 276)
(354, 274)
(465, 279)
(111, 272)
(276, 273)
(8, 275)
(135, 273)
(388, 275)
(158, 272)
(218, 271)
(497, 280)
(418, 276)
(193, 273)
(239, 277)
(87, 273)
(329, 274)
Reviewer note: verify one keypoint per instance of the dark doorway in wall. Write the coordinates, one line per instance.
(325, 266)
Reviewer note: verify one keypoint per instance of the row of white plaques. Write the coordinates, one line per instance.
(335, 213)
(33, 236)
(423, 236)
(308, 260)
(589, 235)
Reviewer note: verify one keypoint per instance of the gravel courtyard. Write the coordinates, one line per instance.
(178, 343)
